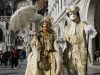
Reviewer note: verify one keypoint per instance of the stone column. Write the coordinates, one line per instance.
(90, 48)
(11, 4)
(55, 12)
(59, 5)
(63, 4)
(5, 38)
(8, 48)
(57, 8)
(9, 39)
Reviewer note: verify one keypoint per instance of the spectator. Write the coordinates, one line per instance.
(99, 51)
(96, 55)
(17, 57)
(5, 56)
(1, 58)
(23, 57)
(14, 58)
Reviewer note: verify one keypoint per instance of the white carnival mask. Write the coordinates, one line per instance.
(73, 16)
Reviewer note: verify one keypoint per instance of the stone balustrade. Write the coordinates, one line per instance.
(5, 18)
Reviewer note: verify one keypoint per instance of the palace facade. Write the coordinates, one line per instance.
(18, 40)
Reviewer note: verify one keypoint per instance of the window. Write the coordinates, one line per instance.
(19, 41)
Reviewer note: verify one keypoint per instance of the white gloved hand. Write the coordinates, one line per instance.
(62, 44)
(62, 39)
(89, 29)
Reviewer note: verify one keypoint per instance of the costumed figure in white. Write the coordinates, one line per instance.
(45, 58)
(75, 55)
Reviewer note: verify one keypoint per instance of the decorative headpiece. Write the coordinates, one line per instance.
(46, 19)
(72, 9)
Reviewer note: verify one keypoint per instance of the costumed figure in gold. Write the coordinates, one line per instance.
(45, 58)
(75, 54)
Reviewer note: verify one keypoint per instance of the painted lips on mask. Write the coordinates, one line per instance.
(45, 27)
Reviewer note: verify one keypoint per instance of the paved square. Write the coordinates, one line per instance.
(7, 70)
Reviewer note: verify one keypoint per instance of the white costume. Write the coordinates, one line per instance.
(75, 34)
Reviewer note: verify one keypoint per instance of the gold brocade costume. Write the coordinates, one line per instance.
(48, 49)
(76, 51)
(45, 46)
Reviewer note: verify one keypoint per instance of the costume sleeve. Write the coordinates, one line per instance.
(35, 34)
(55, 36)
(58, 57)
(30, 41)
(65, 33)
(35, 45)
(63, 43)
(90, 29)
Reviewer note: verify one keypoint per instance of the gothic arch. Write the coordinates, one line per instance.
(2, 4)
(3, 29)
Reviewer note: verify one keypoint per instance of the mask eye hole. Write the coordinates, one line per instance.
(70, 14)
(74, 14)
(46, 24)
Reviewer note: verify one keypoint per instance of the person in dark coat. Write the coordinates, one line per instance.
(23, 57)
(14, 58)
(5, 57)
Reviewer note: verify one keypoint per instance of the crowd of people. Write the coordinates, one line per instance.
(13, 58)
